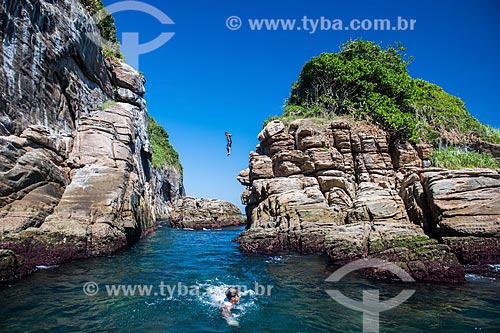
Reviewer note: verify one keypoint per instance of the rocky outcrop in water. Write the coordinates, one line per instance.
(459, 207)
(175, 209)
(75, 177)
(334, 189)
(197, 213)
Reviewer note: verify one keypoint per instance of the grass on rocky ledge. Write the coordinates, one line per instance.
(316, 114)
(288, 120)
(458, 159)
(108, 104)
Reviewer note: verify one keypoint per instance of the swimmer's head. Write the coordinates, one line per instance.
(232, 292)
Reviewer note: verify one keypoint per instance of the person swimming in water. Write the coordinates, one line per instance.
(232, 297)
(229, 143)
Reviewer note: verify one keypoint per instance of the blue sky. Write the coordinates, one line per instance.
(208, 79)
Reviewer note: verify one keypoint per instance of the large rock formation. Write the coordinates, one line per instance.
(199, 213)
(75, 173)
(333, 189)
(459, 207)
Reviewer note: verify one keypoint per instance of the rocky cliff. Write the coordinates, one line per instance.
(168, 190)
(83, 172)
(461, 208)
(199, 213)
(75, 178)
(337, 188)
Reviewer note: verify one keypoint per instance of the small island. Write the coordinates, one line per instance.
(368, 162)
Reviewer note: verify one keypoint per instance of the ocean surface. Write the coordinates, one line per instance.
(186, 272)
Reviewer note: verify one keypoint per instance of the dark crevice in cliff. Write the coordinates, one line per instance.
(422, 215)
(67, 106)
(354, 159)
(145, 165)
(165, 189)
(393, 151)
(85, 71)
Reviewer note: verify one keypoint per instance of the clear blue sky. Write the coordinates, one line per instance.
(208, 79)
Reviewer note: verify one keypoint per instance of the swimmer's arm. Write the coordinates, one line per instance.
(226, 312)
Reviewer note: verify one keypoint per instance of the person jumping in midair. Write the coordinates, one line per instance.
(229, 143)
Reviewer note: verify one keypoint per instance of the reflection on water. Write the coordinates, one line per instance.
(208, 262)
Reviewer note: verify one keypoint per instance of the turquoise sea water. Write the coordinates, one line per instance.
(195, 267)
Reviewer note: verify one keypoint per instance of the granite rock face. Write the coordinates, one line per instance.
(50, 65)
(168, 189)
(75, 176)
(196, 213)
(334, 189)
(459, 207)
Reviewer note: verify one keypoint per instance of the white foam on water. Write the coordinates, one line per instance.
(233, 322)
(213, 293)
(43, 267)
(477, 277)
(275, 259)
(495, 267)
(472, 277)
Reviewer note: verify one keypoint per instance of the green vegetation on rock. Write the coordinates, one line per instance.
(287, 119)
(107, 28)
(108, 104)
(366, 81)
(440, 113)
(458, 159)
(403, 241)
(163, 152)
(92, 6)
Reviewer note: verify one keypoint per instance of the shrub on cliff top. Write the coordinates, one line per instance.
(92, 6)
(369, 82)
(441, 114)
(107, 27)
(163, 151)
